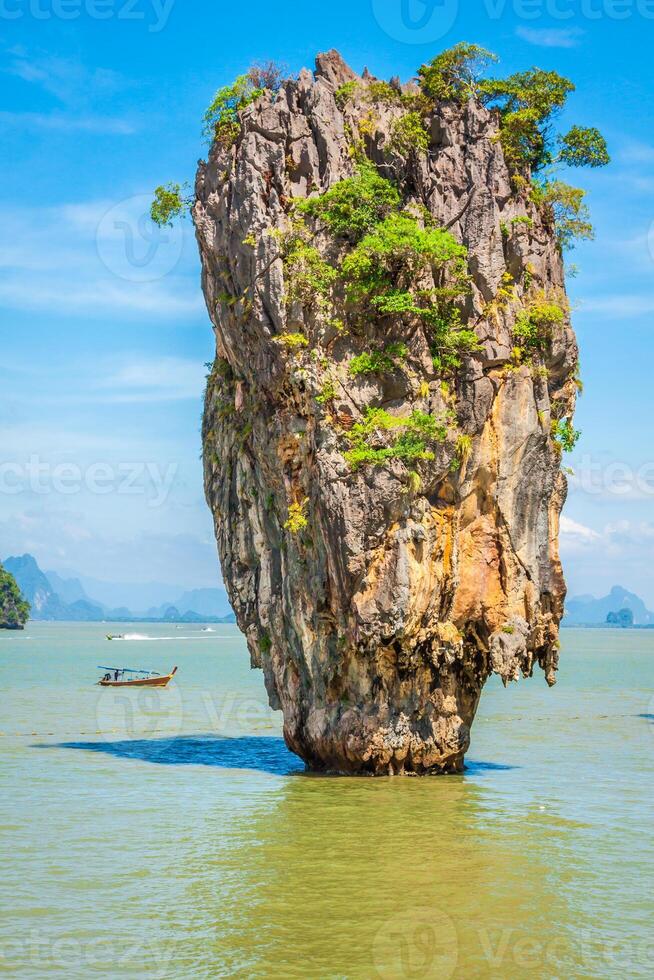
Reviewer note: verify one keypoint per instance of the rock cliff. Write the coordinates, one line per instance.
(386, 490)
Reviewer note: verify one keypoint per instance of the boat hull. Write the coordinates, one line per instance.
(143, 682)
(150, 682)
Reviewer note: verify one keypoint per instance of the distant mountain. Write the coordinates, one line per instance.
(133, 595)
(59, 599)
(36, 588)
(589, 611)
(204, 602)
(68, 589)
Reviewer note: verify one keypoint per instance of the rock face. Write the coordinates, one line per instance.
(379, 613)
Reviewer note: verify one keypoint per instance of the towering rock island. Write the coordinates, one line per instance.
(394, 380)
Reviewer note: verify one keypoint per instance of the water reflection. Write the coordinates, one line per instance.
(396, 878)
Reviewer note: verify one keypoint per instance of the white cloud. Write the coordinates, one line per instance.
(157, 379)
(625, 306)
(65, 539)
(573, 532)
(551, 37)
(98, 257)
(633, 151)
(67, 123)
(67, 79)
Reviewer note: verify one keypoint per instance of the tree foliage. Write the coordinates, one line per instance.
(409, 133)
(352, 207)
(221, 120)
(14, 609)
(569, 213)
(169, 203)
(583, 147)
(454, 74)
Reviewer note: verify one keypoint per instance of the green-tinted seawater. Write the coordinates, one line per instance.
(171, 835)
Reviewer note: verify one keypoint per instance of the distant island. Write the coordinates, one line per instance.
(620, 608)
(14, 609)
(56, 599)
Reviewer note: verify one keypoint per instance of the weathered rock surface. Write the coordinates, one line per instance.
(378, 625)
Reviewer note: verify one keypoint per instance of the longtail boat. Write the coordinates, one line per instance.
(125, 677)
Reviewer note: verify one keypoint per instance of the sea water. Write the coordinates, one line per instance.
(170, 834)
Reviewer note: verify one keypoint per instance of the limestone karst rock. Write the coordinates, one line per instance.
(14, 610)
(378, 598)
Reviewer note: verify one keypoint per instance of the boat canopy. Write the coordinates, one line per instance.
(127, 670)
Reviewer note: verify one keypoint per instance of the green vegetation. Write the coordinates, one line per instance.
(296, 517)
(327, 392)
(378, 362)
(416, 433)
(381, 271)
(394, 251)
(409, 133)
(566, 204)
(374, 91)
(221, 120)
(565, 435)
(527, 102)
(292, 341)
(14, 609)
(583, 148)
(308, 277)
(463, 448)
(535, 324)
(352, 207)
(344, 93)
(169, 203)
(454, 75)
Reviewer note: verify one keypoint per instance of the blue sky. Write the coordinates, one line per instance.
(104, 332)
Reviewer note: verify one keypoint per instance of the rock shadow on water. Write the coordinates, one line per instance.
(258, 753)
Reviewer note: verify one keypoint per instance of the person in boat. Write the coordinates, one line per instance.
(107, 677)
(116, 675)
